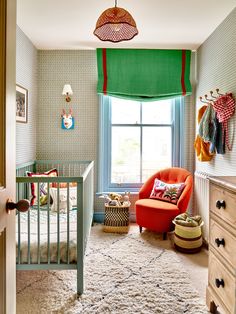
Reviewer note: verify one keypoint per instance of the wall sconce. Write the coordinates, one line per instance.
(67, 90)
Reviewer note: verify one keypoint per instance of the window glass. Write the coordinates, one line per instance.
(156, 150)
(125, 155)
(157, 112)
(125, 111)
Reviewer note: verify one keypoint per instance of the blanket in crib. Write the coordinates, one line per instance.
(42, 245)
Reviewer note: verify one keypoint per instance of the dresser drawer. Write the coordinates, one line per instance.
(222, 282)
(223, 203)
(223, 242)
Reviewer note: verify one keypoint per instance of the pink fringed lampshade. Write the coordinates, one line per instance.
(115, 25)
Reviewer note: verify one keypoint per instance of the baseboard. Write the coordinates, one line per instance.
(99, 217)
(205, 244)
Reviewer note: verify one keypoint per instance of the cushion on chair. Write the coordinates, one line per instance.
(155, 215)
(156, 205)
(166, 192)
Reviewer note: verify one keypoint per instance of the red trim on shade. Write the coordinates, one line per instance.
(183, 72)
(104, 63)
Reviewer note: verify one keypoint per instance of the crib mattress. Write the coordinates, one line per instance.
(30, 250)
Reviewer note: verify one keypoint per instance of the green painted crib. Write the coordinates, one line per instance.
(53, 234)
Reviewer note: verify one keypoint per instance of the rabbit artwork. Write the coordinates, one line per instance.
(67, 121)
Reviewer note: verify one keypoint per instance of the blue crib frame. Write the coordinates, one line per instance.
(81, 172)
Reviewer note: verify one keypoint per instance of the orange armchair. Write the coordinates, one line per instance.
(157, 215)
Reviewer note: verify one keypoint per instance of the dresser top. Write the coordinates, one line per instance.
(228, 182)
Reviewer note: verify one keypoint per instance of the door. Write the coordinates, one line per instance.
(7, 155)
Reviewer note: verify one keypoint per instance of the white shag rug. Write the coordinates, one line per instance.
(124, 274)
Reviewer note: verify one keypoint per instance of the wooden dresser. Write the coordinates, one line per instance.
(221, 289)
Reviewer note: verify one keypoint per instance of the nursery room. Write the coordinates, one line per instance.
(117, 176)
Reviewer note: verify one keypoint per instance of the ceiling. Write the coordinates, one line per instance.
(162, 24)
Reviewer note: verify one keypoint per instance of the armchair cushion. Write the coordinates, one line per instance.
(166, 192)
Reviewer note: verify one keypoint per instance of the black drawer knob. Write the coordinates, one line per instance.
(220, 242)
(220, 282)
(220, 204)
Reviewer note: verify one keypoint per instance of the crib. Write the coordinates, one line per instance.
(54, 232)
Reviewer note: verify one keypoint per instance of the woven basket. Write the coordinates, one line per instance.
(188, 239)
(116, 219)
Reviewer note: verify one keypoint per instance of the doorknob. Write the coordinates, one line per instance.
(21, 206)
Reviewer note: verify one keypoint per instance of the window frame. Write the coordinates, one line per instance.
(104, 149)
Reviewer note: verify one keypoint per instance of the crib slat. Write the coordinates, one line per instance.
(38, 208)
(19, 239)
(68, 224)
(48, 217)
(28, 237)
(80, 239)
(18, 192)
(58, 223)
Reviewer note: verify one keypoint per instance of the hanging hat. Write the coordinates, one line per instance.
(224, 107)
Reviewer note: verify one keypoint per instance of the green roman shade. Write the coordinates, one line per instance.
(143, 74)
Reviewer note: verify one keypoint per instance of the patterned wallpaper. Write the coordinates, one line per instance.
(79, 69)
(216, 67)
(26, 76)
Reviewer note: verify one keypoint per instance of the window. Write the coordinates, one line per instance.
(136, 140)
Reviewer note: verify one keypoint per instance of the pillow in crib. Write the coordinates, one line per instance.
(42, 186)
(63, 184)
(166, 192)
(63, 198)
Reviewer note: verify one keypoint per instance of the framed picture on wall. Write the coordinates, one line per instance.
(21, 104)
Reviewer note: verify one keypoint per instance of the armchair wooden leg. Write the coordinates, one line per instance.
(140, 229)
(164, 235)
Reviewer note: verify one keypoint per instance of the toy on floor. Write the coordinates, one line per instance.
(115, 199)
(188, 221)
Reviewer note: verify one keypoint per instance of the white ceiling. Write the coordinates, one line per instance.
(163, 24)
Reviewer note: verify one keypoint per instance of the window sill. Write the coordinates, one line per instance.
(120, 192)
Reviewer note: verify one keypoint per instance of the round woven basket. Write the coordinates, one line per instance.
(188, 239)
(116, 219)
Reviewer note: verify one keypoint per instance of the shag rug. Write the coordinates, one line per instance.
(124, 273)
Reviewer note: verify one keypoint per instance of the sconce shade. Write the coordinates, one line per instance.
(115, 24)
(67, 90)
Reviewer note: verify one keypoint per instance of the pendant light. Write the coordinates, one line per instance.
(115, 24)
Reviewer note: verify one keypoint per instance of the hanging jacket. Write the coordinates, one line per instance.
(201, 147)
(219, 144)
(224, 107)
(210, 130)
(207, 129)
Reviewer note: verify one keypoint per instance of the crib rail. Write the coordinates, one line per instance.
(70, 228)
(64, 168)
